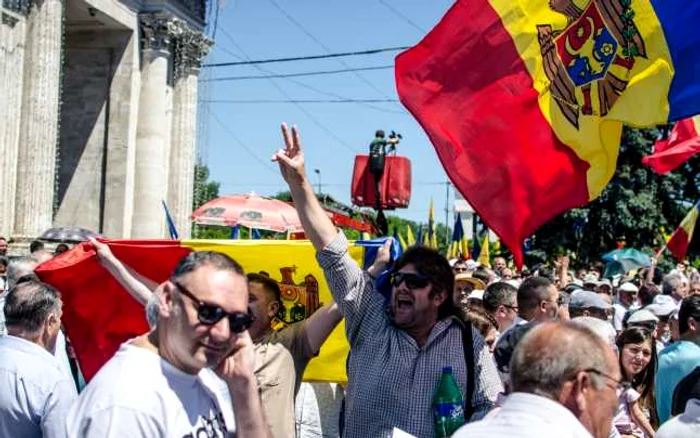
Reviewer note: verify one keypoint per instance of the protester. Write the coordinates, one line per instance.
(36, 393)
(663, 307)
(695, 287)
(35, 245)
(280, 356)
(396, 358)
(646, 294)
(564, 381)
(636, 414)
(465, 284)
(642, 318)
(687, 397)
(586, 303)
(674, 287)
(626, 301)
(156, 385)
(500, 301)
(499, 264)
(678, 359)
(538, 300)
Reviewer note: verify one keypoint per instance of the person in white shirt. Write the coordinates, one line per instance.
(35, 393)
(686, 399)
(157, 385)
(626, 301)
(564, 380)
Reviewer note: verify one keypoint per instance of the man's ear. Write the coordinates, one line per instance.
(273, 308)
(692, 324)
(573, 393)
(165, 298)
(440, 297)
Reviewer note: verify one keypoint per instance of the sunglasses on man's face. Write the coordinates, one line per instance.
(413, 281)
(210, 314)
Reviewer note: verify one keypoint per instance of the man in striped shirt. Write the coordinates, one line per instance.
(397, 356)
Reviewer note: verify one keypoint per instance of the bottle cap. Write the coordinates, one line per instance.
(447, 370)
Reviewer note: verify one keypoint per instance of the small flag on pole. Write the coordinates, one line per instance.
(171, 224)
(410, 240)
(680, 240)
(459, 247)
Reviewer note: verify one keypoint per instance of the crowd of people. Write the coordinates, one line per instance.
(551, 352)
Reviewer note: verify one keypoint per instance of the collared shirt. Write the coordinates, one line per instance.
(391, 379)
(619, 314)
(675, 362)
(280, 360)
(35, 394)
(526, 416)
(686, 425)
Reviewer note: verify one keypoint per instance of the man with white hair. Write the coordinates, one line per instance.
(626, 301)
(564, 380)
(674, 286)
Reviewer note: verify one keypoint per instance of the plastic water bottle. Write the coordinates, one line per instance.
(448, 405)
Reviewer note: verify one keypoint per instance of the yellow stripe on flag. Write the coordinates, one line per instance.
(292, 263)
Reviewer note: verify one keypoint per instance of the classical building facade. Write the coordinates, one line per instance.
(98, 110)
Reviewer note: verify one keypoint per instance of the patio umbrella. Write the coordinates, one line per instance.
(251, 211)
(67, 234)
(624, 260)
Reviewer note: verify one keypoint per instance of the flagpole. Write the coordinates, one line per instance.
(447, 213)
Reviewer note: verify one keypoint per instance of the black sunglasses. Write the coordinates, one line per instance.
(210, 314)
(413, 281)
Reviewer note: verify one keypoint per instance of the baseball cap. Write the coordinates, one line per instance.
(641, 316)
(476, 294)
(472, 265)
(628, 287)
(605, 282)
(663, 305)
(584, 299)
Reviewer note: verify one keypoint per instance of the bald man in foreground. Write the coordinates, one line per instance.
(565, 381)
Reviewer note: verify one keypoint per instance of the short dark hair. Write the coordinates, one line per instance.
(690, 308)
(432, 264)
(531, 293)
(36, 245)
(497, 294)
(196, 259)
(28, 304)
(379, 133)
(3, 261)
(482, 274)
(269, 285)
(646, 293)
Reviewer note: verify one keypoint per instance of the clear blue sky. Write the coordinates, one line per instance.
(237, 139)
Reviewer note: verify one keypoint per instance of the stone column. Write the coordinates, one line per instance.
(150, 175)
(12, 40)
(190, 48)
(38, 135)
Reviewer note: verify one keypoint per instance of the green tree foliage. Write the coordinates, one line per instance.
(634, 208)
(204, 191)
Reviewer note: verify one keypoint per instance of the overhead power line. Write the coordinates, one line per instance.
(305, 58)
(296, 75)
(402, 16)
(300, 101)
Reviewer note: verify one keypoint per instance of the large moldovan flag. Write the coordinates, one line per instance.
(99, 315)
(524, 101)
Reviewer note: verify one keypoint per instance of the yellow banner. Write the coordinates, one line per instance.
(292, 263)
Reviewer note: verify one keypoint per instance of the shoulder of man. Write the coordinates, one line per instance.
(294, 339)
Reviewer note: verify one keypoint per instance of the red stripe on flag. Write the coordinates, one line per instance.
(679, 243)
(98, 314)
(470, 90)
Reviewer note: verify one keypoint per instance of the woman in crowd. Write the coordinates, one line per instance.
(636, 415)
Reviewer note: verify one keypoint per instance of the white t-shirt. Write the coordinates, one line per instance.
(138, 394)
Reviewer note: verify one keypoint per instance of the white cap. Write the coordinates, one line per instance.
(642, 315)
(663, 305)
(472, 265)
(628, 287)
(513, 282)
(476, 295)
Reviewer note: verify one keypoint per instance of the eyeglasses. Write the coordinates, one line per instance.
(459, 269)
(210, 314)
(513, 308)
(619, 386)
(413, 281)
